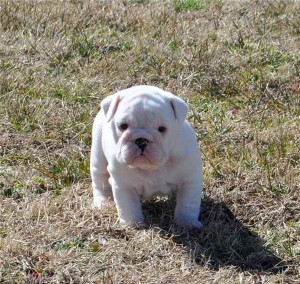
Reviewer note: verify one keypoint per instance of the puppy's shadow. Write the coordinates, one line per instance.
(224, 240)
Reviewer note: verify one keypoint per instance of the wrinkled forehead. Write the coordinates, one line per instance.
(145, 108)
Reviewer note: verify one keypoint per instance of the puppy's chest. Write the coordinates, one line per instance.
(156, 184)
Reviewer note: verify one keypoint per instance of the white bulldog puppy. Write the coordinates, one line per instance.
(143, 146)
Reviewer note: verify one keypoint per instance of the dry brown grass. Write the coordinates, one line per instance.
(237, 65)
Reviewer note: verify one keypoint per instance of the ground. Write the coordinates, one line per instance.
(236, 63)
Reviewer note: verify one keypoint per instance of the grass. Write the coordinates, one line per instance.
(235, 63)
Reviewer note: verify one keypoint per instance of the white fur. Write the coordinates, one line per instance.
(171, 161)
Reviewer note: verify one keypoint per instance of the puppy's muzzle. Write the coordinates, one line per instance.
(141, 143)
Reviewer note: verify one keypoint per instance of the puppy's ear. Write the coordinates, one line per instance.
(110, 105)
(180, 108)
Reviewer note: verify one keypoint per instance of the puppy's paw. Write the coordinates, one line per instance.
(99, 202)
(134, 225)
(137, 223)
(195, 224)
(189, 223)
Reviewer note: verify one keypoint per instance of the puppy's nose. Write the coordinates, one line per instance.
(142, 143)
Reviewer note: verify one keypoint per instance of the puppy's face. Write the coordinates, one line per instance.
(144, 128)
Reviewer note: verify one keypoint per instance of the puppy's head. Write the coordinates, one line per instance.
(144, 121)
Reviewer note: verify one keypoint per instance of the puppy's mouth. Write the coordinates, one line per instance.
(141, 150)
(142, 161)
(146, 159)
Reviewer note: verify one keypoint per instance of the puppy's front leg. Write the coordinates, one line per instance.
(188, 200)
(98, 165)
(129, 206)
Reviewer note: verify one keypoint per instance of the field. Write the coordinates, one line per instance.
(237, 65)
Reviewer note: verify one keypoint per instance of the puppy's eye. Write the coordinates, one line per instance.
(123, 126)
(162, 129)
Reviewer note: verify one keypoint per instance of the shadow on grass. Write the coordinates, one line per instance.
(224, 241)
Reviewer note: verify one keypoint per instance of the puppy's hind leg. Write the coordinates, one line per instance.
(98, 166)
